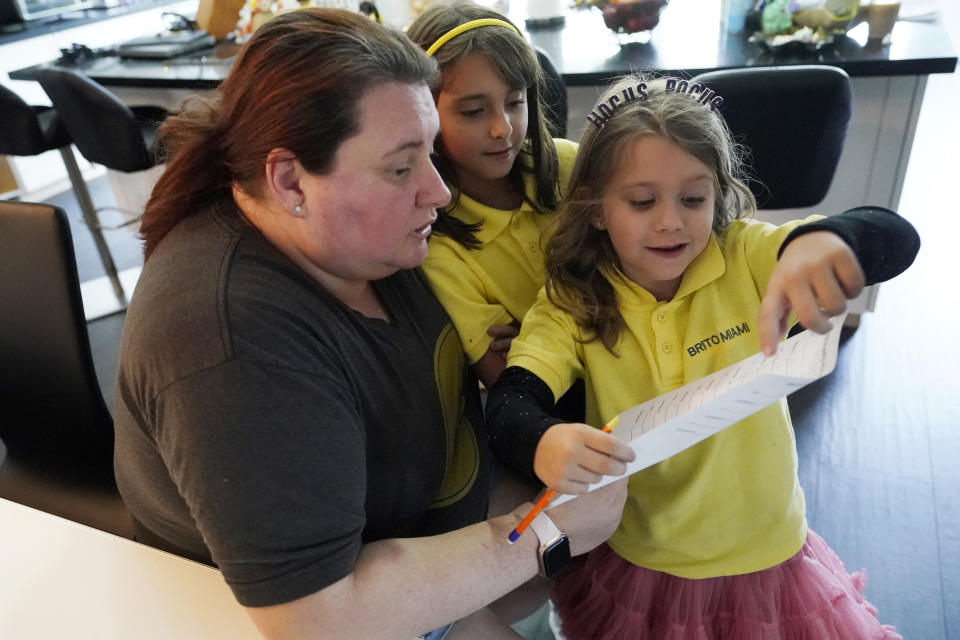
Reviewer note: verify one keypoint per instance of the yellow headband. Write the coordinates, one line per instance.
(466, 26)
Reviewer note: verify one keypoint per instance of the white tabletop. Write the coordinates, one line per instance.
(60, 579)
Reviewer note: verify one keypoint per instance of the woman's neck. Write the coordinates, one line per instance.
(362, 298)
(357, 294)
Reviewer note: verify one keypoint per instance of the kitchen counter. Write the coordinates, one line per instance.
(688, 40)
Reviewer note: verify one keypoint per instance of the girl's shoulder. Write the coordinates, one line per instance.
(545, 311)
(742, 227)
(566, 155)
(749, 235)
(566, 149)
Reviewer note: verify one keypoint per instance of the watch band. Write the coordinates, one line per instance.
(545, 528)
(554, 552)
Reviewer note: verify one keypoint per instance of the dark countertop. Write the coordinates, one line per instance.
(43, 26)
(200, 70)
(586, 53)
(687, 40)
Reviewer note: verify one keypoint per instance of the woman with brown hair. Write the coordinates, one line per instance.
(293, 405)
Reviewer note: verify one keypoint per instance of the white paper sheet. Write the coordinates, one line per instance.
(668, 424)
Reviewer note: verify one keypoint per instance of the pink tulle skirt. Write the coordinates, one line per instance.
(808, 597)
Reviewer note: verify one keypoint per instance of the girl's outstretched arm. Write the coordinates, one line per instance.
(564, 456)
(825, 263)
(814, 278)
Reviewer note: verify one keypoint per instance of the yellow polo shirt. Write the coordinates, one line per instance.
(732, 503)
(498, 282)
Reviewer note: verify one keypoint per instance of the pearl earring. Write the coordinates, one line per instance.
(598, 223)
(298, 209)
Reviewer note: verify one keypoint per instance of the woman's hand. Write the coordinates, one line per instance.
(571, 456)
(489, 367)
(503, 335)
(816, 275)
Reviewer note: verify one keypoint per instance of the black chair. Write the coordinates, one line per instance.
(104, 129)
(555, 96)
(29, 130)
(32, 130)
(794, 120)
(56, 428)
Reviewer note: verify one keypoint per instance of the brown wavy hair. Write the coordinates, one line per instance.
(517, 62)
(295, 85)
(578, 255)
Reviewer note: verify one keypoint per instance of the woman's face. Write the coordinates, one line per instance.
(483, 121)
(372, 214)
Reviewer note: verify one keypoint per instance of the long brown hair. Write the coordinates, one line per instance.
(295, 85)
(517, 62)
(579, 256)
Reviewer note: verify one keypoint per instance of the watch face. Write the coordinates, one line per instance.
(555, 556)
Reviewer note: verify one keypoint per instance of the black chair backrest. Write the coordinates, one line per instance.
(20, 133)
(555, 96)
(51, 406)
(794, 120)
(103, 128)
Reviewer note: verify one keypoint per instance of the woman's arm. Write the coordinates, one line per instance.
(401, 587)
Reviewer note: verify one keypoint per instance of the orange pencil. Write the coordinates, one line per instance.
(548, 496)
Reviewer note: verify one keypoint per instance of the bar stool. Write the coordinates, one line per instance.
(105, 131)
(32, 130)
(555, 95)
(794, 121)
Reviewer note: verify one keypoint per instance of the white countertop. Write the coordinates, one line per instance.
(60, 579)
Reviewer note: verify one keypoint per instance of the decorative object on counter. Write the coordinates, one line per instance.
(254, 13)
(808, 23)
(393, 13)
(76, 54)
(218, 17)
(881, 15)
(370, 10)
(734, 14)
(545, 14)
(632, 20)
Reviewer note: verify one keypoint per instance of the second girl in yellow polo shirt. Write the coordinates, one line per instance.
(506, 173)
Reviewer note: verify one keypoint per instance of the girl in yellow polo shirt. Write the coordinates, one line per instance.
(505, 172)
(651, 258)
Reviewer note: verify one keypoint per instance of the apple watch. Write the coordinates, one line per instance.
(554, 552)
